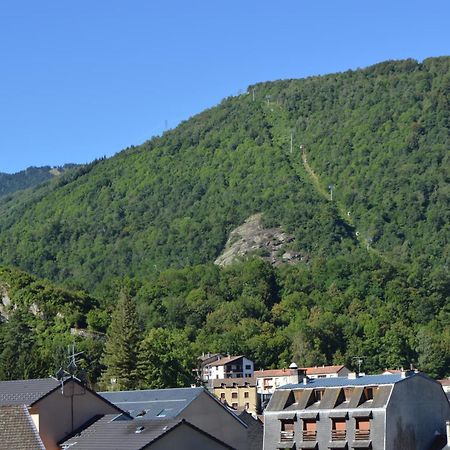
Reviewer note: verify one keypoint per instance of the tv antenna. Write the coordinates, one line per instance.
(359, 360)
(72, 357)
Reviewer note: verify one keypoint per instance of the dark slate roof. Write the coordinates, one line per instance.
(367, 380)
(17, 430)
(25, 392)
(156, 403)
(109, 433)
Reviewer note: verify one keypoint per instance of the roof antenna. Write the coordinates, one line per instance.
(359, 361)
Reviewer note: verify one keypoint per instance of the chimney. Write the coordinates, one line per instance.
(305, 380)
(352, 376)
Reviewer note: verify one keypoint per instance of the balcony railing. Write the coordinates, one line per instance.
(286, 436)
(362, 435)
(338, 435)
(309, 435)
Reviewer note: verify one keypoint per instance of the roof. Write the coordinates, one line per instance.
(17, 430)
(155, 403)
(445, 382)
(323, 370)
(26, 392)
(366, 380)
(276, 372)
(108, 433)
(231, 382)
(226, 360)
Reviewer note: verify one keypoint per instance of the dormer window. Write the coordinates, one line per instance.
(368, 393)
(318, 395)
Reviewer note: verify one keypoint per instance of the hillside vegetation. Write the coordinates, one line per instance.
(150, 221)
(380, 135)
(10, 183)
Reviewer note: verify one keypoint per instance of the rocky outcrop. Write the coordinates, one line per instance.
(253, 239)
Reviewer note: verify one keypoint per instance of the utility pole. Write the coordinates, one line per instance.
(330, 188)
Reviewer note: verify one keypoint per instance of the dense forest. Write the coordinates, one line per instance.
(13, 182)
(354, 165)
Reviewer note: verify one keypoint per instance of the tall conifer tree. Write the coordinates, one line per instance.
(121, 345)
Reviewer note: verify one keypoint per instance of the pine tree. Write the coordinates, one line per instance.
(121, 345)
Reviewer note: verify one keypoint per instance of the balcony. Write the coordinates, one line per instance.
(338, 435)
(309, 435)
(362, 435)
(286, 436)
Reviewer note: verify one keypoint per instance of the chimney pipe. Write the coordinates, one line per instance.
(305, 380)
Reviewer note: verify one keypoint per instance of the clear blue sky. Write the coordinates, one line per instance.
(86, 78)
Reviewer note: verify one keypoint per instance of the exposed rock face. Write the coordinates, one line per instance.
(5, 304)
(252, 239)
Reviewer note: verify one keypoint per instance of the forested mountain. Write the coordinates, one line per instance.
(10, 183)
(374, 280)
(380, 135)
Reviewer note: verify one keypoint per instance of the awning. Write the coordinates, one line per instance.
(361, 444)
(362, 414)
(338, 415)
(288, 415)
(308, 415)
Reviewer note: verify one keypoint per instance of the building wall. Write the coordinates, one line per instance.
(186, 438)
(418, 408)
(240, 400)
(209, 415)
(60, 414)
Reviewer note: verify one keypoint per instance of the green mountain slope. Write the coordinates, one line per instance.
(10, 183)
(380, 135)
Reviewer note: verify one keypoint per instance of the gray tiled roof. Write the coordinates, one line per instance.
(108, 433)
(17, 430)
(367, 380)
(157, 403)
(25, 392)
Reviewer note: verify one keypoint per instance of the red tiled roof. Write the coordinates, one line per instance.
(223, 361)
(323, 370)
(275, 372)
(445, 382)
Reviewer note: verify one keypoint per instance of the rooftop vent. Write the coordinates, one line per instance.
(139, 430)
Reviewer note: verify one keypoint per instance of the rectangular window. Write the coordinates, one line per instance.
(309, 430)
(234, 405)
(246, 394)
(234, 395)
(338, 430)
(248, 367)
(368, 393)
(222, 395)
(247, 405)
(362, 429)
(287, 430)
(318, 394)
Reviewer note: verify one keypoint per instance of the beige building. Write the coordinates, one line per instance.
(56, 408)
(239, 393)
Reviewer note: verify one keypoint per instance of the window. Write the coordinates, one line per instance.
(248, 367)
(318, 394)
(362, 429)
(287, 430)
(234, 405)
(247, 405)
(234, 395)
(338, 430)
(246, 394)
(309, 430)
(222, 395)
(368, 393)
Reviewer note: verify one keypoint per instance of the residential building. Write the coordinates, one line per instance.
(56, 408)
(196, 405)
(119, 433)
(326, 371)
(227, 367)
(239, 393)
(255, 429)
(17, 429)
(379, 412)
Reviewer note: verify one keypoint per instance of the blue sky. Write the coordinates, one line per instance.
(84, 79)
